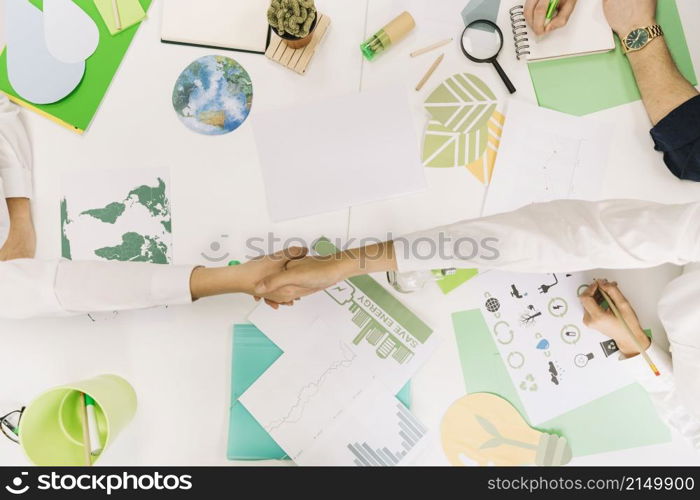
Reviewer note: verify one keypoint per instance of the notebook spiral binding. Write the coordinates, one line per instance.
(520, 35)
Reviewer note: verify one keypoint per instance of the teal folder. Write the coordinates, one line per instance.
(253, 353)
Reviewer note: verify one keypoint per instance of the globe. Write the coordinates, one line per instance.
(493, 305)
(213, 95)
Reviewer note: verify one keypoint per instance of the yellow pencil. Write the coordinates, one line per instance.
(636, 343)
(430, 72)
(431, 47)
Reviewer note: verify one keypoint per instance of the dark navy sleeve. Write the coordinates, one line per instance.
(677, 136)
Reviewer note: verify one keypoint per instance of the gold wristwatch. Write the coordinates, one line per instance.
(640, 38)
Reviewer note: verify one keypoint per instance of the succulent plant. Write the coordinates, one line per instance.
(292, 17)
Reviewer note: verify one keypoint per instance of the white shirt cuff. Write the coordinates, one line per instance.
(638, 368)
(171, 285)
(17, 182)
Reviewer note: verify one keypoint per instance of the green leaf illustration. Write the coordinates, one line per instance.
(492, 443)
(444, 148)
(488, 426)
(462, 103)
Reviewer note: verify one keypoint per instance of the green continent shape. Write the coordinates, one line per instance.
(65, 242)
(136, 248)
(153, 198)
(108, 214)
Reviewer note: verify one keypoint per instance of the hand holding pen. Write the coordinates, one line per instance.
(545, 16)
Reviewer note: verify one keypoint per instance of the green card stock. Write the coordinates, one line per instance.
(78, 109)
(623, 419)
(586, 84)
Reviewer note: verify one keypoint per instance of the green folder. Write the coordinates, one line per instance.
(77, 110)
(623, 419)
(586, 84)
(253, 353)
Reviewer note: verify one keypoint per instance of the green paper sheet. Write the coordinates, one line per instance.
(586, 84)
(77, 110)
(623, 419)
(449, 283)
(253, 353)
(130, 13)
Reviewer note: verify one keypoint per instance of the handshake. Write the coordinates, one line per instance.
(286, 276)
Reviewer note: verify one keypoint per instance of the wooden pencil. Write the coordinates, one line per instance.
(434, 46)
(430, 72)
(636, 343)
(117, 17)
(86, 434)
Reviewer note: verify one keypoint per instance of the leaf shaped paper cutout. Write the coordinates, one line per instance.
(487, 426)
(491, 443)
(71, 35)
(35, 74)
(443, 148)
(482, 168)
(461, 103)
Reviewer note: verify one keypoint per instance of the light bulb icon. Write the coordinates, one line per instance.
(487, 429)
(581, 360)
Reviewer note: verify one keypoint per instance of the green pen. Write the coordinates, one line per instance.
(11, 426)
(553, 4)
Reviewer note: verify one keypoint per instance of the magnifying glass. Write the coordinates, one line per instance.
(482, 41)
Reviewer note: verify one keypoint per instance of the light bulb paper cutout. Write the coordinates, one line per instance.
(489, 431)
(34, 72)
(71, 35)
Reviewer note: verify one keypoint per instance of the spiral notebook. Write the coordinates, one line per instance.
(587, 32)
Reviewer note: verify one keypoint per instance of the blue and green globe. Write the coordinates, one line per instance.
(213, 95)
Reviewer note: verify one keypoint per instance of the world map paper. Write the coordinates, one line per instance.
(117, 215)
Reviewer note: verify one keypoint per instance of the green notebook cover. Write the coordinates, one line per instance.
(77, 110)
(623, 419)
(253, 353)
(586, 84)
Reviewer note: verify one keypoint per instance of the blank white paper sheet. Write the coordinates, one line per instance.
(545, 155)
(330, 155)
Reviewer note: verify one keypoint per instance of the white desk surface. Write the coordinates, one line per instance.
(180, 368)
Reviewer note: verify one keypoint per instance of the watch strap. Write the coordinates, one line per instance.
(654, 31)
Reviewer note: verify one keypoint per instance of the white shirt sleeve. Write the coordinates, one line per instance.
(33, 288)
(15, 153)
(560, 236)
(666, 392)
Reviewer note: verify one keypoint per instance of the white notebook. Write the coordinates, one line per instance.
(587, 32)
(226, 24)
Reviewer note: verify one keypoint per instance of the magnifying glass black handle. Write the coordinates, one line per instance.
(504, 77)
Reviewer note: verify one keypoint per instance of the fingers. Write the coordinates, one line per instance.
(616, 296)
(287, 254)
(275, 281)
(293, 253)
(562, 17)
(593, 311)
(539, 17)
(529, 11)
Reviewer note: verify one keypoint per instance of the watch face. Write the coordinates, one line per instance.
(637, 39)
